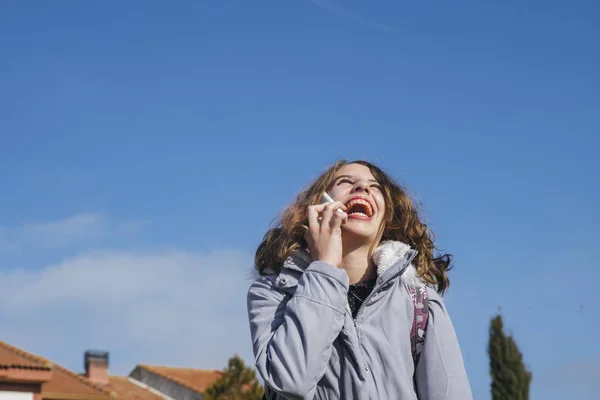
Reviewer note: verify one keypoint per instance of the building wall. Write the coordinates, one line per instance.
(164, 385)
(20, 391)
(16, 395)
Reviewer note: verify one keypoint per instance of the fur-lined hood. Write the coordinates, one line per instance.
(389, 253)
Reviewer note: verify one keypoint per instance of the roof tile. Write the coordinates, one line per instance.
(63, 380)
(13, 357)
(127, 390)
(191, 378)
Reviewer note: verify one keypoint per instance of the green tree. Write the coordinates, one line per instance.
(510, 377)
(237, 382)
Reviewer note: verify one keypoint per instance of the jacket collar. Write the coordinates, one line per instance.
(391, 258)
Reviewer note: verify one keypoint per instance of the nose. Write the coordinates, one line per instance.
(361, 186)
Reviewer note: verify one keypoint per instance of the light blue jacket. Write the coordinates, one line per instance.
(308, 346)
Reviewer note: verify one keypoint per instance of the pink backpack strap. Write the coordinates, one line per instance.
(420, 301)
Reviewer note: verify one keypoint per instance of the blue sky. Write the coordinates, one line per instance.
(146, 146)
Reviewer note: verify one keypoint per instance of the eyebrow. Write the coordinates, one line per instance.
(352, 177)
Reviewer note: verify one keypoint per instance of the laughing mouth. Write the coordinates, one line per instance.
(359, 207)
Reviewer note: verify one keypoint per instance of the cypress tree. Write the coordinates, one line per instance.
(510, 377)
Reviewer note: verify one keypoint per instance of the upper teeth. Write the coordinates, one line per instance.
(360, 201)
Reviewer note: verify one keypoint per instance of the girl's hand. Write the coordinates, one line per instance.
(324, 235)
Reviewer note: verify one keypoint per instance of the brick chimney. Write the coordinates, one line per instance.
(96, 366)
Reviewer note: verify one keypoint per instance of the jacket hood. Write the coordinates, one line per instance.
(386, 256)
(389, 253)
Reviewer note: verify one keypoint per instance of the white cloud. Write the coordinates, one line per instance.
(67, 232)
(329, 5)
(171, 307)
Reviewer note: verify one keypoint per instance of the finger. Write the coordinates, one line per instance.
(321, 207)
(313, 220)
(338, 218)
(328, 211)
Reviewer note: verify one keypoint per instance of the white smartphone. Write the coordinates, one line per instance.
(326, 198)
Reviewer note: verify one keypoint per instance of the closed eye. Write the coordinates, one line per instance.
(345, 180)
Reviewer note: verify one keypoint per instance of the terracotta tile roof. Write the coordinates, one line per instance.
(13, 357)
(194, 379)
(127, 390)
(63, 380)
(66, 381)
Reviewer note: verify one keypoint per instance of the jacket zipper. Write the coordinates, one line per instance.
(378, 287)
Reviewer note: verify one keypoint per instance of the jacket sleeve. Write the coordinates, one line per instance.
(440, 373)
(292, 336)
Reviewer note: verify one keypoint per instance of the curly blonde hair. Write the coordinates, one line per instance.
(401, 223)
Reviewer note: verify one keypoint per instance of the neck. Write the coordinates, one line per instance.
(357, 263)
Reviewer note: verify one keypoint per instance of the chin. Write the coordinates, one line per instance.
(359, 231)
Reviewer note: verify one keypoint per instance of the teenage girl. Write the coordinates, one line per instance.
(348, 302)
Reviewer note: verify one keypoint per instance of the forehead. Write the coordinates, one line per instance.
(355, 170)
